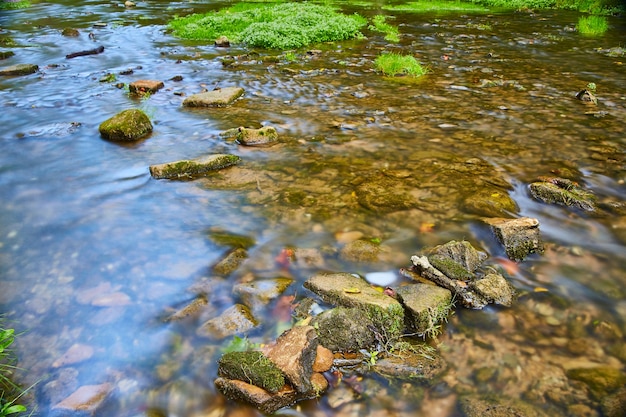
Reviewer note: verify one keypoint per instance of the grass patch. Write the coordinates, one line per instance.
(282, 26)
(424, 6)
(10, 392)
(379, 24)
(14, 5)
(392, 64)
(592, 25)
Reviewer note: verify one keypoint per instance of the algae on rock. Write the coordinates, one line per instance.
(128, 125)
(189, 169)
(252, 367)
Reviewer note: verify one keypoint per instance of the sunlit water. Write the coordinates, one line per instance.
(95, 253)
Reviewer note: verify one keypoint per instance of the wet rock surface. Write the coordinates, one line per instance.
(520, 237)
(563, 192)
(19, 69)
(217, 98)
(142, 87)
(265, 136)
(190, 169)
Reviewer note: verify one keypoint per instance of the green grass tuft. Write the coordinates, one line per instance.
(593, 25)
(379, 24)
(392, 64)
(283, 26)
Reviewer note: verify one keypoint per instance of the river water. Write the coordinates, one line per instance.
(94, 253)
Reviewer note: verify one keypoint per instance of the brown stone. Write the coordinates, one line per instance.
(323, 359)
(294, 353)
(258, 397)
(86, 399)
(145, 86)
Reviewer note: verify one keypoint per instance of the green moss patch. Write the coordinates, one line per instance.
(282, 26)
(392, 64)
(379, 24)
(251, 367)
(14, 5)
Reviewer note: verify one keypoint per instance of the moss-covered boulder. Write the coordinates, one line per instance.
(426, 307)
(520, 237)
(343, 289)
(265, 136)
(494, 288)
(129, 125)
(343, 329)
(563, 192)
(189, 169)
(252, 367)
(217, 98)
(6, 54)
(462, 253)
(19, 69)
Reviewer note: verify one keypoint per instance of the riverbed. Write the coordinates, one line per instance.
(94, 253)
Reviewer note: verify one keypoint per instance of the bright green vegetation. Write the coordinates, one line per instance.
(282, 26)
(437, 6)
(13, 5)
(392, 64)
(592, 25)
(380, 24)
(10, 393)
(252, 367)
(591, 6)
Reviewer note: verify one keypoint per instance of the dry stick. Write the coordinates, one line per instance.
(468, 298)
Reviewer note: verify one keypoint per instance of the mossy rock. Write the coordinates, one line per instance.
(129, 125)
(189, 169)
(383, 194)
(6, 54)
(343, 329)
(490, 202)
(602, 380)
(462, 253)
(426, 307)
(252, 367)
(230, 262)
(232, 240)
(450, 268)
(361, 250)
(265, 136)
(235, 320)
(19, 69)
(217, 98)
(563, 192)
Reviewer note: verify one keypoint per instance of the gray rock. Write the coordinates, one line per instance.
(494, 288)
(426, 307)
(19, 69)
(520, 237)
(563, 192)
(216, 98)
(188, 169)
(265, 136)
(461, 252)
(344, 329)
(129, 125)
(235, 320)
(294, 353)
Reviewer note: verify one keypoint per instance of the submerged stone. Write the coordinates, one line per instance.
(602, 380)
(477, 406)
(230, 262)
(383, 194)
(191, 309)
(411, 365)
(265, 136)
(490, 202)
(71, 32)
(217, 98)
(86, 400)
(346, 290)
(252, 367)
(19, 69)
(426, 307)
(235, 320)
(361, 250)
(6, 54)
(257, 294)
(266, 402)
(294, 354)
(128, 125)
(563, 192)
(520, 237)
(189, 169)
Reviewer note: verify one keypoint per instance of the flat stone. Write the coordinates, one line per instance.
(426, 306)
(345, 289)
(266, 402)
(86, 400)
(494, 288)
(265, 136)
(461, 252)
(188, 169)
(520, 237)
(145, 86)
(128, 125)
(235, 320)
(294, 353)
(563, 192)
(216, 98)
(78, 352)
(19, 69)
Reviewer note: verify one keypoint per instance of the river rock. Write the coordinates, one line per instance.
(294, 353)
(230, 262)
(71, 32)
(614, 405)
(520, 237)
(409, 365)
(145, 86)
(361, 250)
(19, 69)
(346, 290)
(385, 194)
(128, 125)
(265, 136)
(461, 252)
(476, 406)
(586, 97)
(235, 320)
(490, 202)
(342, 329)
(425, 307)
(189, 169)
(6, 54)
(258, 294)
(563, 192)
(252, 367)
(217, 98)
(266, 402)
(494, 288)
(190, 310)
(222, 42)
(323, 359)
(86, 400)
(602, 380)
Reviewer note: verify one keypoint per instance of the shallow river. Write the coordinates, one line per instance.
(94, 253)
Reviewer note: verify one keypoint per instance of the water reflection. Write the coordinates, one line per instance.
(94, 253)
